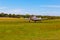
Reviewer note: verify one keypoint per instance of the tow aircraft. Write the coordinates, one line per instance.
(34, 18)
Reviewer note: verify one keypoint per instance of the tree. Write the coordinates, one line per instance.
(2, 14)
(18, 16)
(27, 15)
(14, 16)
(10, 15)
(5, 15)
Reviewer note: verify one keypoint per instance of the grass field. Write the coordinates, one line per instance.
(19, 29)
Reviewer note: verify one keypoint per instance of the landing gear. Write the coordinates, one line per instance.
(29, 21)
(35, 21)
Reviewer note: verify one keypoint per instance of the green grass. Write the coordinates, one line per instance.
(19, 29)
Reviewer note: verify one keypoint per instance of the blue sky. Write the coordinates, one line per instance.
(36, 7)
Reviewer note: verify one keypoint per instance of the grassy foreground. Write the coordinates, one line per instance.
(19, 29)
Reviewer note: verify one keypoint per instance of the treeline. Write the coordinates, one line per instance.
(9, 15)
(27, 16)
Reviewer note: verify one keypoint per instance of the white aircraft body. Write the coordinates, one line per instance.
(34, 18)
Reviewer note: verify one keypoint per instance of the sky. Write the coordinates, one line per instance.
(33, 7)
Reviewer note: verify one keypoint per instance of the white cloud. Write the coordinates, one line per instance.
(13, 11)
(51, 6)
(2, 8)
(41, 11)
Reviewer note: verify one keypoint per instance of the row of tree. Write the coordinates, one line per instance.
(9, 15)
(27, 16)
